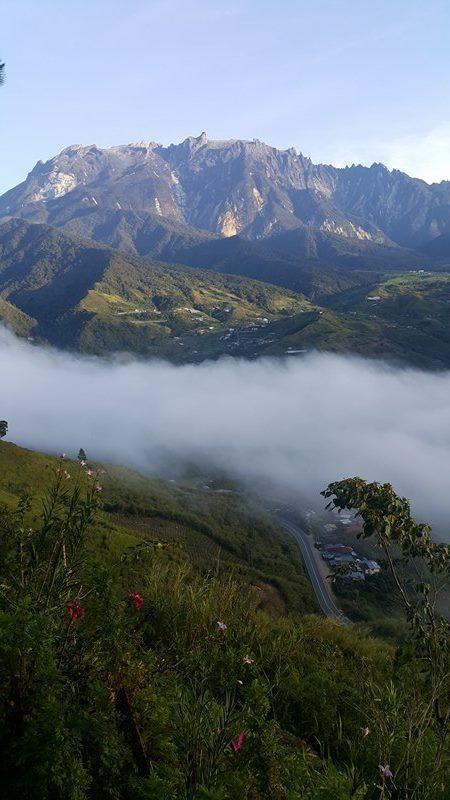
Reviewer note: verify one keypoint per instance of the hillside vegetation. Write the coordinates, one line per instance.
(221, 530)
(137, 665)
(82, 296)
(76, 294)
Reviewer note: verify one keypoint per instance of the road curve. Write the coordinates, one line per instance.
(321, 589)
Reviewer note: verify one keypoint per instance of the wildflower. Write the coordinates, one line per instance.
(74, 611)
(248, 660)
(241, 683)
(98, 488)
(236, 745)
(385, 771)
(82, 463)
(137, 600)
(66, 475)
(365, 731)
(61, 455)
(222, 626)
(89, 473)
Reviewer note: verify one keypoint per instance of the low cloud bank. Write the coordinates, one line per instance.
(297, 424)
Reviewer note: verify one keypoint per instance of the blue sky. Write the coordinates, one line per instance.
(344, 81)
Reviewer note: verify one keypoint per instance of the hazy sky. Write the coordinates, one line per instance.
(342, 80)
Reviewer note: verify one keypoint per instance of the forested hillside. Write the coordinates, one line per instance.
(82, 296)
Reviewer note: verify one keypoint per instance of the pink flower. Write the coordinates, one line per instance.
(236, 745)
(385, 771)
(248, 660)
(137, 600)
(98, 488)
(82, 463)
(89, 473)
(61, 455)
(222, 626)
(74, 611)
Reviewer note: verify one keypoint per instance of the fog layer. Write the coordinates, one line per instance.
(298, 423)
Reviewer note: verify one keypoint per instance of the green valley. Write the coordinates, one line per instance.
(86, 297)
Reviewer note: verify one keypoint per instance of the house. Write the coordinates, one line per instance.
(370, 567)
(355, 575)
(344, 558)
(335, 549)
(354, 527)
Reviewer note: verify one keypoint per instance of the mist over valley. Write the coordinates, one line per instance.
(294, 424)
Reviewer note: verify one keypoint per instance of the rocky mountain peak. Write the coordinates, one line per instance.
(193, 143)
(232, 187)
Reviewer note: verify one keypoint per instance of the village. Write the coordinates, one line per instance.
(342, 559)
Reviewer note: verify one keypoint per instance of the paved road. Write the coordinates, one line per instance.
(321, 589)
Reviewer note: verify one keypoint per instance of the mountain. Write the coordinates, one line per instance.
(438, 247)
(145, 198)
(303, 259)
(82, 295)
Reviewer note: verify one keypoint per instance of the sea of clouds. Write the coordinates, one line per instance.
(295, 424)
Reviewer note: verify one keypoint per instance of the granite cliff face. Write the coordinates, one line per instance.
(137, 196)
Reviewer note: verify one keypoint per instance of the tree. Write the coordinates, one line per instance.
(2, 73)
(3, 428)
(407, 544)
(81, 455)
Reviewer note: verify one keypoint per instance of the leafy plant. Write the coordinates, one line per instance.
(387, 517)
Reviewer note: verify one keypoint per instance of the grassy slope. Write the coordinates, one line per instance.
(220, 531)
(77, 294)
(412, 317)
(151, 311)
(87, 297)
(411, 324)
(305, 692)
(15, 319)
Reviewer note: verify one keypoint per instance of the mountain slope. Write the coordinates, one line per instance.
(202, 523)
(304, 259)
(169, 658)
(82, 295)
(438, 247)
(87, 297)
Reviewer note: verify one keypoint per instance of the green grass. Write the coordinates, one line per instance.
(222, 533)
(120, 687)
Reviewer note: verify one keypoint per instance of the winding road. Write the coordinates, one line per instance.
(319, 584)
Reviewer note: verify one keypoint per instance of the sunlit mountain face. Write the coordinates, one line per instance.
(133, 196)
